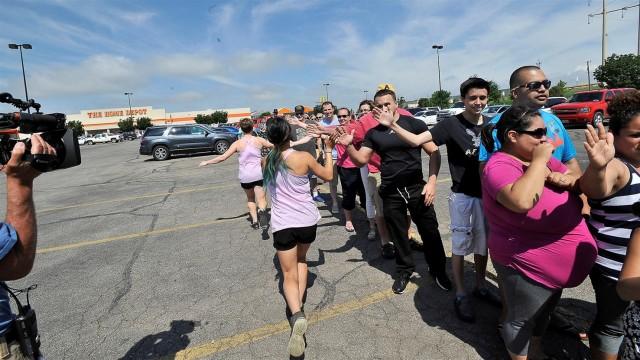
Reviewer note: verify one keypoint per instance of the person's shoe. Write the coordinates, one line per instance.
(318, 198)
(388, 251)
(297, 339)
(255, 225)
(263, 219)
(371, 235)
(442, 280)
(335, 209)
(464, 309)
(487, 296)
(400, 284)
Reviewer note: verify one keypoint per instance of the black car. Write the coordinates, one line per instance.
(163, 141)
(129, 135)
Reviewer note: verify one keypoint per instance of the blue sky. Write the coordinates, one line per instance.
(191, 55)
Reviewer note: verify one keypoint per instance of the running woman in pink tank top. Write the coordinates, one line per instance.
(249, 148)
(294, 217)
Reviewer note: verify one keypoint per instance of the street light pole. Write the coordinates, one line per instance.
(326, 90)
(24, 78)
(589, 74)
(438, 47)
(129, 96)
(365, 94)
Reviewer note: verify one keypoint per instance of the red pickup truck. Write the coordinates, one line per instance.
(587, 107)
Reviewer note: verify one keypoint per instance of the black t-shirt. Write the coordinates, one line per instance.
(298, 132)
(462, 139)
(401, 163)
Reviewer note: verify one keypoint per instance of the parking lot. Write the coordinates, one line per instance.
(140, 259)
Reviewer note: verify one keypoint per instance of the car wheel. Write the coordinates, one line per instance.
(160, 153)
(598, 118)
(221, 146)
(114, 140)
(89, 142)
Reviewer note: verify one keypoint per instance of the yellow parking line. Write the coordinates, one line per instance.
(132, 236)
(136, 197)
(219, 345)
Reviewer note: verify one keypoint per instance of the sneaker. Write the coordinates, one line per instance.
(400, 284)
(388, 251)
(318, 198)
(487, 296)
(464, 309)
(255, 225)
(442, 280)
(371, 235)
(297, 338)
(263, 218)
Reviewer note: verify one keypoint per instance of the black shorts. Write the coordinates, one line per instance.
(251, 185)
(287, 239)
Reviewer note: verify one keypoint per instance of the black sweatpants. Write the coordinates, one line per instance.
(395, 202)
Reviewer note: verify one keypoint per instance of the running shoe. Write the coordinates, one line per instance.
(400, 284)
(318, 198)
(442, 280)
(263, 218)
(297, 339)
(255, 225)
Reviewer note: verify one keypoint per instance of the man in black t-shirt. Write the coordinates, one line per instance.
(403, 188)
(299, 123)
(461, 135)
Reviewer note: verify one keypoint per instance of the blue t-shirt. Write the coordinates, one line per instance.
(557, 134)
(331, 122)
(8, 239)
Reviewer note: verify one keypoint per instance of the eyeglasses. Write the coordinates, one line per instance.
(535, 85)
(343, 116)
(538, 133)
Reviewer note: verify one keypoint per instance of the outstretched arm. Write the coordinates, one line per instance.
(232, 149)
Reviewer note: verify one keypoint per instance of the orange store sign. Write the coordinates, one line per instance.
(114, 113)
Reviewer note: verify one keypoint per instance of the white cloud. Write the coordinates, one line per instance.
(137, 18)
(268, 8)
(185, 64)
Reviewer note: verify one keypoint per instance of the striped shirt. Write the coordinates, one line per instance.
(612, 222)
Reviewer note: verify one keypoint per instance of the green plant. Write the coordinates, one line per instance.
(440, 98)
(619, 71)
(76, 126)
(126, 124)
(143, 123)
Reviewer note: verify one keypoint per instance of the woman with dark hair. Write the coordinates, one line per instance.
(534, 219)
(249, 148)
(612, 184)
(294, 217)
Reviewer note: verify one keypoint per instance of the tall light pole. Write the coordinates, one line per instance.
(326, 90)
(438, 48)
(129, 95)
(24, 78)
(589, 74)
(365, 94)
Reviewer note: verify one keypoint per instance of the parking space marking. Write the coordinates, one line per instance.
(234, 341)
(137, 197)
(134, 235)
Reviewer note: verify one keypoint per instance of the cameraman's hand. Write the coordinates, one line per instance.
(21, 170)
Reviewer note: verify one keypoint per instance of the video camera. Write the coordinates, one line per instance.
(52, 129)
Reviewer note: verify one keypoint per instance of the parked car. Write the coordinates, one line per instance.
(227, 129)
(455, 109)
(587, 107)
(103, 138)
(434, 108)
(493, 110)
(81, 140)
(428, 116)
(129, 135)
(416, 110)
(553, 101)
(162, 142)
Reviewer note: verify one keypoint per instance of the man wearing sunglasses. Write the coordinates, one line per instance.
(530, 88)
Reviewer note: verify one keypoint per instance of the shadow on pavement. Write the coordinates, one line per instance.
(163, 343)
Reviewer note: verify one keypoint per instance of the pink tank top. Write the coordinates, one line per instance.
(291, 203)
(250, 158)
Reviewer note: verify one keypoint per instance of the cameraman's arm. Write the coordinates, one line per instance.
(21, 211)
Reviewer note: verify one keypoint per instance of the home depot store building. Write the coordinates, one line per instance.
(106, 120)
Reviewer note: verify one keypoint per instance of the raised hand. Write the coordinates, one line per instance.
(346, 139)
(599, 146)
(384, 117)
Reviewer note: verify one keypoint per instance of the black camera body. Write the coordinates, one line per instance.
(52, 129)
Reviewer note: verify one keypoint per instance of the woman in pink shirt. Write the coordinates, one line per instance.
(538, 241)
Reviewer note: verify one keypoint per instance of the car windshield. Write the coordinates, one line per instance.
(586, 97)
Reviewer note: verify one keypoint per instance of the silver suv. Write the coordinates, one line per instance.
(163, 141)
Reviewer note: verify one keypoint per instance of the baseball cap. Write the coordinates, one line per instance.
(386, 86)
(299, 109)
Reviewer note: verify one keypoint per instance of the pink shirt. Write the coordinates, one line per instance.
(549, 244)
(343, 157)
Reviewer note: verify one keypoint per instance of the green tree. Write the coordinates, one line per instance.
(76, 126)
(402, 103)
(619, 71)
(204, 119)
(559, 89)
(424, 102)
(143, 123)
(440, 98)
(494, 93)
(219, 117)
(126, 124)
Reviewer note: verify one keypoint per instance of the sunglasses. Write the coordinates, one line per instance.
(535, 85)
(537, 133)
(343, 116)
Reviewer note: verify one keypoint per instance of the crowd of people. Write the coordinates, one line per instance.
(518, 196)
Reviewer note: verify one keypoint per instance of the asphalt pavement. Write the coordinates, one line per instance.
(139, 259)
